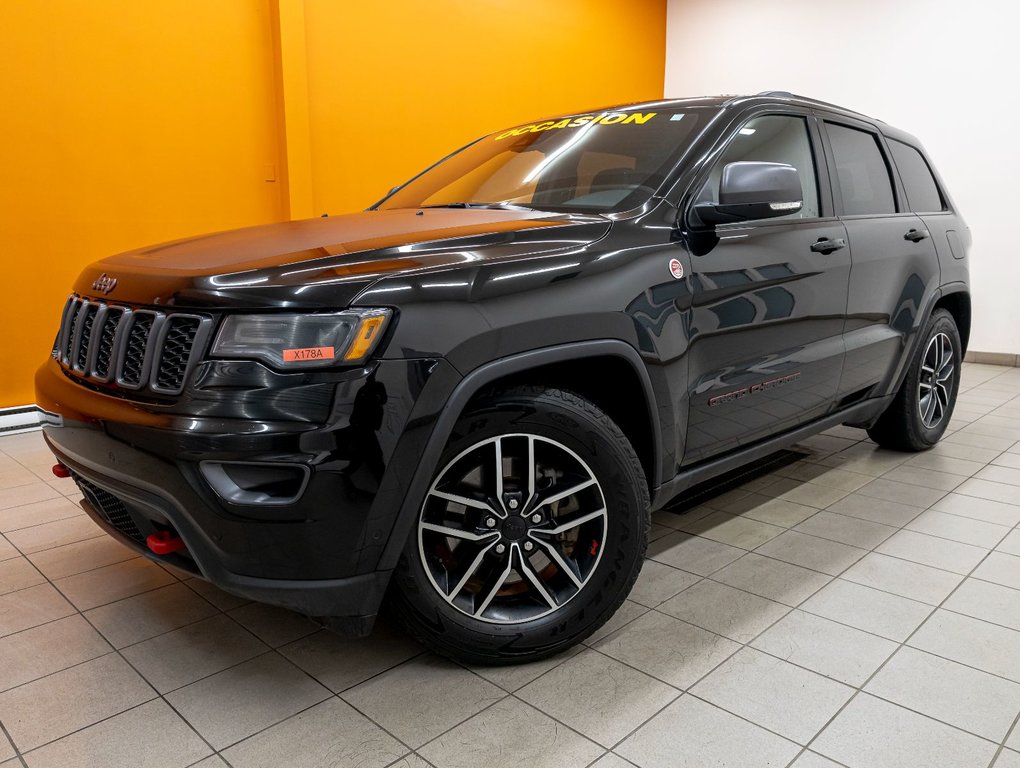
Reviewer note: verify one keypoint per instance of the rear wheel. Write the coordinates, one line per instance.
(919, 414)
(532, 532)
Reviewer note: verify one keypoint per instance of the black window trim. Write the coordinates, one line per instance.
(899, 197)
(826, 201)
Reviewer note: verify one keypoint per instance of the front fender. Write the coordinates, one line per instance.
(426, 452)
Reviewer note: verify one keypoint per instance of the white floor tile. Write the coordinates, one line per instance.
(687, 734)
(872, 733)
(775, 694)
(953, 693)
(834, 650)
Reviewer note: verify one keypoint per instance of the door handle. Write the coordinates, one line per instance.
(828, 245)
(916, 235)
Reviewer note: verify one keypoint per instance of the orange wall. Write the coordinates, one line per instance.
(123, 123)
(126, 122)
(395, 85)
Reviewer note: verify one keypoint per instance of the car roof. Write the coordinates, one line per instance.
(770, 97)
(765, 97)
(729, 100)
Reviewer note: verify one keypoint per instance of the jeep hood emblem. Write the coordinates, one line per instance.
(104, 283)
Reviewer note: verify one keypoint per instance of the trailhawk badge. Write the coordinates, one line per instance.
(676, 268)
(104, 283)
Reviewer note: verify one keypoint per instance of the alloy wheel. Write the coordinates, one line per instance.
(935, 383)
(512, 528)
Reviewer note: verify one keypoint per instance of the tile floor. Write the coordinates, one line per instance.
(858, 608)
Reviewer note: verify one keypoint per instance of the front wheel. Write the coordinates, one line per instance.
(531, 534)
(919, 414)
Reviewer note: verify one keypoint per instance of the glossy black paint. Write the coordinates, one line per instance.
(487, 295)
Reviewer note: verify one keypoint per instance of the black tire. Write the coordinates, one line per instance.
(903, 426)
(548, 420)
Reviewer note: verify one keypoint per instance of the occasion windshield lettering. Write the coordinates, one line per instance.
(591, 163)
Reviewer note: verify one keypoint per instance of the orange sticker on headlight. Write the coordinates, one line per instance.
(308, 353)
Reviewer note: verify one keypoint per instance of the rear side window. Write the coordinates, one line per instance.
(863, 175)
(922, 191)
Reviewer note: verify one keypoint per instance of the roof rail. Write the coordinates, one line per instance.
(788, 95)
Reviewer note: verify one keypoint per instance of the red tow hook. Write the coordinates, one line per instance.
(61, 471)
(164, 542)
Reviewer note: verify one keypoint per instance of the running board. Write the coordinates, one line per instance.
(727, 481)
(860, 413)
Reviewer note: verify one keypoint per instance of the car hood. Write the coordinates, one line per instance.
(327, 262)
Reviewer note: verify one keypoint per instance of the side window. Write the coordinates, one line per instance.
(861, 170)
(922, 191)
(772, 139)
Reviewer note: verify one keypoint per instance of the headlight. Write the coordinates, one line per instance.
(292, 341)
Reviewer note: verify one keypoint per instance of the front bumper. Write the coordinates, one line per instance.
(141, 469)
(145, 508)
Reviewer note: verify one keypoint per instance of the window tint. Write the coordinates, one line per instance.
(771, 139)
(922, 191)
(862, 172)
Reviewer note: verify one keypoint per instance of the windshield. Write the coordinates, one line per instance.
(596, 163)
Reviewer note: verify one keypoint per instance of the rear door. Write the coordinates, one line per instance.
(927, 199)
(766, 346)
(894, 264)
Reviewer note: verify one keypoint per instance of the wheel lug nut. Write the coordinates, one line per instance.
(500, 549)
(536, 518)
(528, 546)
(490, 522)
(512, 503)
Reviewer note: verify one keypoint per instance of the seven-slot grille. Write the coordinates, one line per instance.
(133, 348)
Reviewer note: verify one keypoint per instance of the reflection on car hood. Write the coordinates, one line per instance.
(329, 260)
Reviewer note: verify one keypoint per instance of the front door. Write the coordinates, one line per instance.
(769, 302)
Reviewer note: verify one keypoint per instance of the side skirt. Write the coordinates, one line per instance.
(860, 413)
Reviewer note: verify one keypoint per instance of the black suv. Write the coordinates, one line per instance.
(469, 397)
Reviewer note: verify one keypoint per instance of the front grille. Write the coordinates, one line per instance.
(133, 349)
(104, 350)
(176, 352)
(71, 319)
(110, 508)
(133, 364)
(86, 319)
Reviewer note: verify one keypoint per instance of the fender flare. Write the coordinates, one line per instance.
(469, 386)
(915, 342)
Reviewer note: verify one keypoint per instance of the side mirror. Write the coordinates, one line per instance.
(752, 190)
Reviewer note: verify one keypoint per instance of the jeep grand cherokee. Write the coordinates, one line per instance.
(469, 398)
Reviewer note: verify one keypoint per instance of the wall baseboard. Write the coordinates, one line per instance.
(24, 418)
(992, 358)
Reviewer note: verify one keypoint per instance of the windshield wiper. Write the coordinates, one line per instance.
(495, 206)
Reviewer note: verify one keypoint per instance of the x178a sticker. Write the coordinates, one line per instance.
(308, 353)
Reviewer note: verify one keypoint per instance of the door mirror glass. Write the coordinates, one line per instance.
(754, 190)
